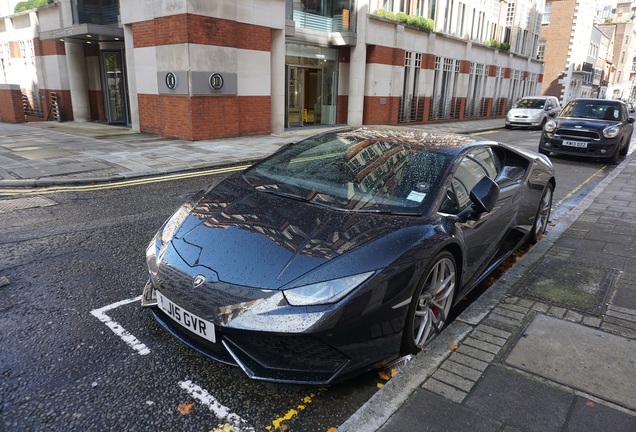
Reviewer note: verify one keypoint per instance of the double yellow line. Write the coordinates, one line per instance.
(120, 184)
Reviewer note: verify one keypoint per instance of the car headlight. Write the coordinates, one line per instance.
(324, 292)
(612, 131)
(550, 126)
(175, 221)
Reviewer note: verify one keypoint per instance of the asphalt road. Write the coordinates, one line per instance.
(78, 353)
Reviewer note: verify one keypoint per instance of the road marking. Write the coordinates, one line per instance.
(131, 340)
(121, 184)
(277, 423)
(490, 132)
(579, 187)
(221, 412)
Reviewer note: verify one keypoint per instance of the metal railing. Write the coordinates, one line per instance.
(411, 111)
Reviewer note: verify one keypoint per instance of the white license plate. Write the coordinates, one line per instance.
(575, 144)
(195, 324)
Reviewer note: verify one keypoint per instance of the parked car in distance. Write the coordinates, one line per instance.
(597, 128)
(343, 251)
(532, 111)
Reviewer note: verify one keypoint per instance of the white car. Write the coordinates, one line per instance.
(532, 111)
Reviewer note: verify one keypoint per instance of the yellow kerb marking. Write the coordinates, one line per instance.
(276, 424)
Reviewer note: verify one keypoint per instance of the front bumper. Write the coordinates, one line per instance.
(601, 149)
(324, 356)
(524, 122)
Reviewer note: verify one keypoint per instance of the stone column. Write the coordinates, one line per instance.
(78, 81)
(358, 68)
(278, 81)
(131, 75)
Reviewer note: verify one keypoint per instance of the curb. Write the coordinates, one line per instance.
(387, 401)
(51, 181)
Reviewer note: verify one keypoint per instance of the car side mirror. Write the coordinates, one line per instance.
(552, 114)
(484, 195)
(631, 120)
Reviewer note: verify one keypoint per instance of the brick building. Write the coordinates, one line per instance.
(199, 69)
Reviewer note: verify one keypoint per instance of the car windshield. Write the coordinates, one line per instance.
(597, 109)
(351, 171)
(530, 103)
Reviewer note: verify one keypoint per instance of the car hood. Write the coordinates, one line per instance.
(530, 112)
(256, 239)
(585, 124)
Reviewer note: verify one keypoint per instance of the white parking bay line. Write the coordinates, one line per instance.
(222, 412)
(131, 340)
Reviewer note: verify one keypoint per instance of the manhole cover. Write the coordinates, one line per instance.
(9, 205)
(570, 284)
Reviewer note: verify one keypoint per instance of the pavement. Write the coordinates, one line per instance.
(550, 346)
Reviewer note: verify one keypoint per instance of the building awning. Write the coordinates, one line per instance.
(86, 32)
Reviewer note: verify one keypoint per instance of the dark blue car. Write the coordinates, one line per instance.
(343, 251)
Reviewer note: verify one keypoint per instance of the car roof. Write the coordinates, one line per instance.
(416, 137)
(603, 101)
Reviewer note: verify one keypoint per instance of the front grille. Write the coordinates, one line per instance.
(577, 133)
(289, 352)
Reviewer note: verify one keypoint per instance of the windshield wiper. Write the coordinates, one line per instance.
(389, 212)
(285, 195)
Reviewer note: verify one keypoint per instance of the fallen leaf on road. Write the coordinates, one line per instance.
(452, 347)
(186, 408)
(380, 385)
(590, 404)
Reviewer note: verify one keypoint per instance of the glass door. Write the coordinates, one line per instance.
(294, 96)
(304, 96)
(114, 87)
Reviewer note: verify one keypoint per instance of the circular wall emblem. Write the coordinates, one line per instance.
(171, 80)
(216, 81)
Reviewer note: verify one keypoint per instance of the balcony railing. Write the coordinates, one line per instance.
(339, 20)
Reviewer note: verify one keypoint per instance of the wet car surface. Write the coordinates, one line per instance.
(342, 252)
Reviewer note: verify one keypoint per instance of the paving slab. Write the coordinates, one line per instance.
(578, 356)
(519, 401)
(426, 411)
(590, 416)
(32, 172)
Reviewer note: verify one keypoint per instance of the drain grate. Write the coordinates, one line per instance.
(13, 204)
(570, 284)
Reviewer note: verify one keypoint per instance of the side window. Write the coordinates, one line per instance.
(479, 163)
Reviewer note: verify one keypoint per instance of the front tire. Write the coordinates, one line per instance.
(431, 303)
(614, 158)
(542, 218)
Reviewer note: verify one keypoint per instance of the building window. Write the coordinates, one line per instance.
(541, 50)
(448, 16)
(445, 84)
(546, 13)
(460, 19)
(411, 106)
